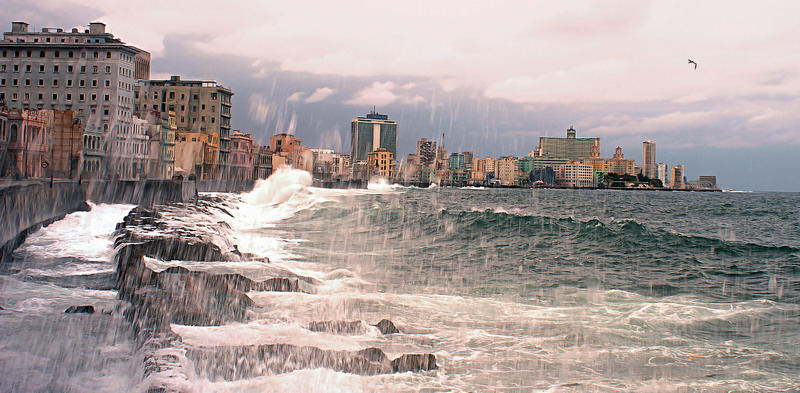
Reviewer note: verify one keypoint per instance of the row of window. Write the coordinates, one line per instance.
(55, 82)
(67, 54)
(57, 68)
(68, 97)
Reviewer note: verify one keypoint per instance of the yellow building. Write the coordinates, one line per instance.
(381, 163)
(197, 153)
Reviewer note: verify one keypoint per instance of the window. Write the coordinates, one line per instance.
(69, 82)
(41, 54)
(195, 96)
(2, 82)
(94, 82)
(27, 82)
(41, 67)
(70, 69)
(108, 83)
(81, 97)
(55, 82)
(96, 55)
(41, 97)
(15, 82)
(105, 111)
(94, 69)
(70, 54)
(69, 97)
(27, 68)
(108, 55)
(3, 68)
(55, 69)
(94, 97)
(172, 95)
(203, 107)
(55, 97)
(13, 98)
(82, 83)
(41, 82)
(58, 53)
(214, 96)
(212, 120)
(108, 69)
(83, 69)
(107, 97)
(16, 67)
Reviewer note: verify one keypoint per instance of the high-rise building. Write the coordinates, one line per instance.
(661, 173)
(199, 106)
(426, 152)
(649, 159)
(575, 174)
(571, 147)
(677, 175)
(371, 132)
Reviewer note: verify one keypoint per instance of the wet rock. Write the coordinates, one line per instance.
(83, 207)
(414, 362)
(386, 327)
(80, 310)
(373, 355)
(339, 327)
(229, 363)
(1, 308)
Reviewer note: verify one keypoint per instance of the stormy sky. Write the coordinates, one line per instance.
(492, 76)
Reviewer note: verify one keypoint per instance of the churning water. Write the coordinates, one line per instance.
(512, 290)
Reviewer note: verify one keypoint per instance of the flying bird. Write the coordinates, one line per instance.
(692, 62)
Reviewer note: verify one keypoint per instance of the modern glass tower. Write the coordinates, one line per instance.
(371, 132)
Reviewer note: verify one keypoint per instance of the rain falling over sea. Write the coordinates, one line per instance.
(286, 288)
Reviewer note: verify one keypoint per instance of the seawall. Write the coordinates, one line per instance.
(27, 205)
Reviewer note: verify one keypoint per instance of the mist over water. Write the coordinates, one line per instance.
(512, 290)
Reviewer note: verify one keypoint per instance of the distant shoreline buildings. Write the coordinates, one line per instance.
(81, 104)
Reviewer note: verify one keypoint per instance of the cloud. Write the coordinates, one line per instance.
(379, 94)
(320, 94)
(296, 96)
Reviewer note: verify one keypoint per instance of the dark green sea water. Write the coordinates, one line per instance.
(513, 290)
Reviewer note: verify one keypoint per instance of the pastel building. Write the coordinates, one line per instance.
(571, 147)
(241, 164)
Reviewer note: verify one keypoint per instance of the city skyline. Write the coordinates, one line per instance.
(272, 97)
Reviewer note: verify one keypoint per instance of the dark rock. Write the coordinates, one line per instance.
(80, 309)
(1, 308)
(83, 207)
(373, 355)
(386, 327)
(230, 363)
(340, 327)
(414, 362)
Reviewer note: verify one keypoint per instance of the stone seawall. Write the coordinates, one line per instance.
(25, 206)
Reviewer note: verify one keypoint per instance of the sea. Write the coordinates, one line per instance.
(512, 290)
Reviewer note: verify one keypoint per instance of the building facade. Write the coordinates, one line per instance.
(199, 106)
(241, 156)
(576, 175)
(381, 163)
(507, 170)
(677, 176)
(89, 72)
(371, 132)
(649, 159)
(571, 147)
(426, 152)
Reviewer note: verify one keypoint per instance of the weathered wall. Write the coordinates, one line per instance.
(27, 205)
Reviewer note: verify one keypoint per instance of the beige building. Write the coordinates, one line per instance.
(381, 163)
(618, 164)
(200, 107)
(575, 174)
(507, 170)
(195, 153)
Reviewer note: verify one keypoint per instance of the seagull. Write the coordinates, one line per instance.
(692, 62)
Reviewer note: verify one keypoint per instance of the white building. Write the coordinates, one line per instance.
(661, 173)
(575, 174)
